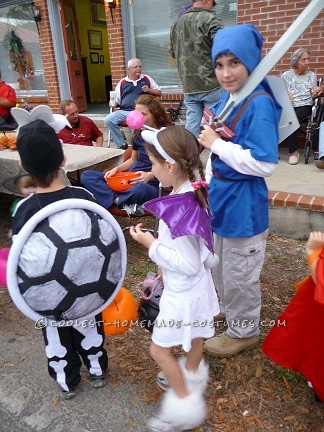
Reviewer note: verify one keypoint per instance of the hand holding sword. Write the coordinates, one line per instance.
(213, 129)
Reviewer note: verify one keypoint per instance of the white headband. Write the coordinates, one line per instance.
(150, 136)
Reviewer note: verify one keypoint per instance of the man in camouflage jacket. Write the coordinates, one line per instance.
(191, 40)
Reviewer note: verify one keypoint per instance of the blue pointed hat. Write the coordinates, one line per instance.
(244, 41)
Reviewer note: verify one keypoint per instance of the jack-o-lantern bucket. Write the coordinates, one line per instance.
(118, 316)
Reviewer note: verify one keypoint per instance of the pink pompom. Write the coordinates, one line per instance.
(4, 253)
(135, 120)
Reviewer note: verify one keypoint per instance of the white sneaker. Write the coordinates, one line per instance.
(161, 381)
(155, 424)
(134, 209)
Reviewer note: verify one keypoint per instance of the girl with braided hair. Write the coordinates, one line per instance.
(184, 253)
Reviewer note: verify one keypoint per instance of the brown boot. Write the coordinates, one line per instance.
(227, 346)
(320, 164)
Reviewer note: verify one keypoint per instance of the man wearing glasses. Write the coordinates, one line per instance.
(127, 91)
(191, 40)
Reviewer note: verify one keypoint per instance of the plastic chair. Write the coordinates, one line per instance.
(122, 125)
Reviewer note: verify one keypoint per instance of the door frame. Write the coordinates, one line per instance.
(70, 66)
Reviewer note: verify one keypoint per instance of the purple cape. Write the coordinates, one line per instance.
(184, 216)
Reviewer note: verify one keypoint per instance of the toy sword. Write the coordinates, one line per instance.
(301, 23)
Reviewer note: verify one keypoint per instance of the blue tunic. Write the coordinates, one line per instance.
(240, 203)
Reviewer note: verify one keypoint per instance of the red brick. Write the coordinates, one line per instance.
(279, 200)
(318, 204)
(305, 202)
(292, 200)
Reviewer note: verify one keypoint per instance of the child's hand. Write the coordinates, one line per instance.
(144, 238)
(207, 137)
(315, 241)
(141, 177)
(110, 172)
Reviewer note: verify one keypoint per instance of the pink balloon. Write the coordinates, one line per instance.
(4, 253)
(135, 120)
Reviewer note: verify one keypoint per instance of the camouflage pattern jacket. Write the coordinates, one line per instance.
(191, 40)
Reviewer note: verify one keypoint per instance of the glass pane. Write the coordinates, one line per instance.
(226, 10)
(150, 37)
(21, 64)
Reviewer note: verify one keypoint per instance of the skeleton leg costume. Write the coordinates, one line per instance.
(66, 346)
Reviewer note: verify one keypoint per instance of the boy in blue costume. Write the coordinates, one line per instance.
(238, 193)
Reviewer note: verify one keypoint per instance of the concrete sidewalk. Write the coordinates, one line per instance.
(296, 198)
(298, 179)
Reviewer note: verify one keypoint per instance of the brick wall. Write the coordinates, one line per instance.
(116, 44)
(273, 17)
(50, 67)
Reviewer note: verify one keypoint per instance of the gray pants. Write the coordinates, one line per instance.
(237, 282)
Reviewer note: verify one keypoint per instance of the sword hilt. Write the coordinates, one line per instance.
(217, 126)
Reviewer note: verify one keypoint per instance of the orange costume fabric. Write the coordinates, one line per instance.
(299, 343)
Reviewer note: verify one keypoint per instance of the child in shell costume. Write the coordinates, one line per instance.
(41, 152)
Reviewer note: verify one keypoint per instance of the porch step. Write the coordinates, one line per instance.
(98, 119)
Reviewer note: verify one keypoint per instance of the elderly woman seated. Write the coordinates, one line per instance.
(302, 87)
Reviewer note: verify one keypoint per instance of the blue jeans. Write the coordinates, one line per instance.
(112, 121)
(94, 181)
(195, 103)
(321, 140)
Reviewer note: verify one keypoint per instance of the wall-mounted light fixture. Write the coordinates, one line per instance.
(111, 5)
(35, 13)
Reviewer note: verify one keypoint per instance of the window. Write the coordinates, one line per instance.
(21, 63)
(150, 21)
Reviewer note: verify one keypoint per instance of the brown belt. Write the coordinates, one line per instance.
(218, 176)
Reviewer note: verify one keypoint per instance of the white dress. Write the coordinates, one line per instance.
(189, 301)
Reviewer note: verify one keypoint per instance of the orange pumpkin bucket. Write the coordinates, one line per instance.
(121, 181)
(118, 316)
